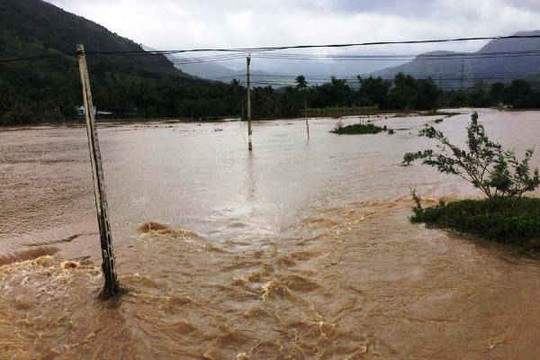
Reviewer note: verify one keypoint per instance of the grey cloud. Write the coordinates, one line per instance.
(530, 5)
(165, 24)
(394, 7)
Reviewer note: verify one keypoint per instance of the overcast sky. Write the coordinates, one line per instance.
(182, 24)
(171, 24)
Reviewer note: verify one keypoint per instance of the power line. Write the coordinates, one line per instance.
(365, 58)
(327, 77)
(199, 60)
(28, 58)
(401, 57)
(288, 47)
(359, 58)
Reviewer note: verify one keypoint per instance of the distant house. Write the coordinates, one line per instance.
(81, 111)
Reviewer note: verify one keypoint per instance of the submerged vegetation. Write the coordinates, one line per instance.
(513, 221)
(485, 164)
(505, 215)
(361, 129)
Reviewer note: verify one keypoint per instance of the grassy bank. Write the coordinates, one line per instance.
(509, 221)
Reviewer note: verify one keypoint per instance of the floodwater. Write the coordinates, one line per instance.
(301, 250)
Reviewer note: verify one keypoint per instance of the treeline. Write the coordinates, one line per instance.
(404, 93)
(47, 88)
(51, 91)
(519, 94)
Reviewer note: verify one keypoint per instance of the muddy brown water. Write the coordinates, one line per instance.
(302, 250)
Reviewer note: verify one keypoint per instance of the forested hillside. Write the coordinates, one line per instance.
(43, 84)
(47, 88)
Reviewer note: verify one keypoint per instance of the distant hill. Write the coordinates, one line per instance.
(449, 68)
(48, 89)
(29, 25)
(204, 70)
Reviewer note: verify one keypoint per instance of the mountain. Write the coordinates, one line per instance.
(193, 66)
(29, 25)
(501, 60)
(203, 70)
(47, 87)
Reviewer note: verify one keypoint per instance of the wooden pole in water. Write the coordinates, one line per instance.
(248, 75)
(462, 73)
(306, 117)
(111, 287)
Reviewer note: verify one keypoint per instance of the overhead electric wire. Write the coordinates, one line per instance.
(278, 77)
(320, 46)
(362, 57)
(199, 60)
(28, 58)
(293, 47)
(401, 57)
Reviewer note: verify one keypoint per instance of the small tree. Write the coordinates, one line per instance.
(496, 172)
(301, 82)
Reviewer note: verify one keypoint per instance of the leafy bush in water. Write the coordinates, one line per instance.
(505, 216)
(496, 172)
(360, 128)
(506, 220)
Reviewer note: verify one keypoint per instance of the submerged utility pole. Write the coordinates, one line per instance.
(111, 282)
(248, 76)
(306, 116)
(462, 73)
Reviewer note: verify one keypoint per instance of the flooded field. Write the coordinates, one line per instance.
(301, 250)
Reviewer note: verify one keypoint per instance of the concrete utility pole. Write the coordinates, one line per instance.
(111, 282)
(248, 75)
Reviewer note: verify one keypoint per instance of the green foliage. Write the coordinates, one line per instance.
(338, 96)
(518, 94)
(48, 89)
(411, 94)
(341, 111)
(484, 164)
(374, 91)
(301, 82)
(507, 220)
(361, 129)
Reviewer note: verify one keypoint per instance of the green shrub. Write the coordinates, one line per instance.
(358, 129)
(507, 220)
(505, 216)
(496, 172)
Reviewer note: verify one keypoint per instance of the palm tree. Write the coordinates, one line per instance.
(301, 85)
(301, 82)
